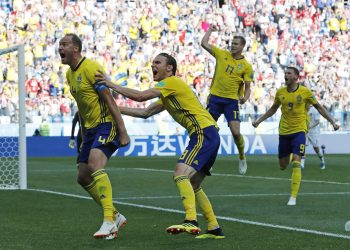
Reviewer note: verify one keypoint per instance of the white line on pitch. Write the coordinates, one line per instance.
(214, 174)
(244, 176)
(231, 195)
(296, 229)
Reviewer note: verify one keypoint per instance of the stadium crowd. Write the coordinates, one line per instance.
(124, 35)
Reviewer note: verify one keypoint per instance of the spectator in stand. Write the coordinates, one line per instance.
(108, 38)
(32, 86)
(248, 22)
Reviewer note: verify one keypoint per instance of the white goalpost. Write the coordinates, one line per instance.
(13, 155)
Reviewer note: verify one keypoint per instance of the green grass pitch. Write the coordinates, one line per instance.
(56, 213)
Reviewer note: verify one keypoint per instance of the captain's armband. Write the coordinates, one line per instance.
(100, 86)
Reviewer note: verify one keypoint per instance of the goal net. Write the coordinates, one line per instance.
(13, 161)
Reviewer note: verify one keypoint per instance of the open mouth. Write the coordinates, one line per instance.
(155, 72)
(62, 55)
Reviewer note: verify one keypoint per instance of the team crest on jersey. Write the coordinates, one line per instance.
(160, 84)
(239, 67)
(79, 79)
(299, 99)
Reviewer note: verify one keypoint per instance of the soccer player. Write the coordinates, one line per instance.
(75, 121)
(103, 130)
(233, 76)
(313, 135)
(196, 161)
(293, 100)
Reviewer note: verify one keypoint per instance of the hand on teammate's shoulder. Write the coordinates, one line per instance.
(100, 77)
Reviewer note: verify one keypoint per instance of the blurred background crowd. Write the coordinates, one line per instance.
(124, 36)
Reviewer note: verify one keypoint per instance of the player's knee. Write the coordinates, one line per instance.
(80, 181)
(84, 179)
(177, 172)
(195, 184)
(236, 135)
(182, 169)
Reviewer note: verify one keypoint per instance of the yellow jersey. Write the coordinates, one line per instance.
(294, 109)
(81, 81)
(183, 105)
(229, 74)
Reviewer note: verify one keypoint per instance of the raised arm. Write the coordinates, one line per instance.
(205, 40)
(268, 113)
(133, 94)
(152, 109)
(326, 115)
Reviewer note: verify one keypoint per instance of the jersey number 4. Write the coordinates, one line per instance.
(102, 140)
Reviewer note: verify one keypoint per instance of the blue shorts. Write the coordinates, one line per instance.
(202, 150)
(292, 143)
(220, 105)
(103, 137)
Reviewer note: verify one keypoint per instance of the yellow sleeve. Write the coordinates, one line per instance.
(249, 74)
(277, 99)
(92, 71)
(216, 51)
(159, 101)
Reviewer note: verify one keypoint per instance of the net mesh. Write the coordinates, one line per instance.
(9, 127)
(9, 163)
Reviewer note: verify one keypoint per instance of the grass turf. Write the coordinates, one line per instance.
(251, 209)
